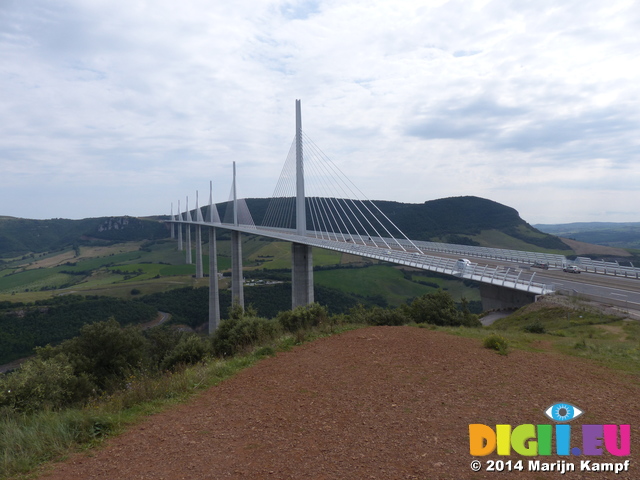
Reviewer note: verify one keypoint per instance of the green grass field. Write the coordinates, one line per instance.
(118, 269)
(575, 329)
(498, 239)
(388, 282)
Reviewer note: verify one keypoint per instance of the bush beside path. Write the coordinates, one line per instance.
(378, 402)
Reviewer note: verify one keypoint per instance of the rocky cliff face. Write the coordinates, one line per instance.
(114, 223)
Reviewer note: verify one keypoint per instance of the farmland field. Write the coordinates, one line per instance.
(119, 269)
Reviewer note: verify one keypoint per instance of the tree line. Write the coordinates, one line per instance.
(105, 354)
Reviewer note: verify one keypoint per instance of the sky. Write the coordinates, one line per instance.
(123, 107)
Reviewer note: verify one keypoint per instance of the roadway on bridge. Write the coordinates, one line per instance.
(619, 290)
(624, 292)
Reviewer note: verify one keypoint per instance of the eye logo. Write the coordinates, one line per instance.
(563, 412)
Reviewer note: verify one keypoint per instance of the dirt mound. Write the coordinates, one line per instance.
(375, 403)
(571, 303)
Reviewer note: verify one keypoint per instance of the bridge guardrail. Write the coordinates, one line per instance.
(607, 268)
(485, 274)
(507, 278)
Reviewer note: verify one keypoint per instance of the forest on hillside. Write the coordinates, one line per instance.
(452, 220)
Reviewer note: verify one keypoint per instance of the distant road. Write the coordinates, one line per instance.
(160, 319)
(621, 291)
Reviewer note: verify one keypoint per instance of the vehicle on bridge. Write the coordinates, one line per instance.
(461, 264)
(543, 265)
(571, 269)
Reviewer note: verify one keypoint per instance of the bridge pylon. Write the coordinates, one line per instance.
(179, 228)
(237, 283)
(301, 254)
(187, 226)
(199, 273)
(214, 293)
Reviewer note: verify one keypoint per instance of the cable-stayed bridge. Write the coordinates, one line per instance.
(315, 205)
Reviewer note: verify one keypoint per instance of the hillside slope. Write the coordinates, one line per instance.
(623, 235)
(451, 220)
(19, 236)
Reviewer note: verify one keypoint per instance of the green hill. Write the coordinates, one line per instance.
(463, 220)
(621, 235)
(20, 236)
(466, 220)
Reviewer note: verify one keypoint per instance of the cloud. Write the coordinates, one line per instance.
(444, 97)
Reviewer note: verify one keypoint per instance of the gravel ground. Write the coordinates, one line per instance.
(375, 403)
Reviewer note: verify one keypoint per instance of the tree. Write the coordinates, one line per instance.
(104, 352)
(438, 308)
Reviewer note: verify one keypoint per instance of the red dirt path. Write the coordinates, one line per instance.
(375, 403)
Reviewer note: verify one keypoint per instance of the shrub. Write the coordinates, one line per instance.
(161, 341)
(43, 383)
(535, 327)
(385, 316)
(236, 334)
(103, 351)
(497, 343)
(580, 345)
(358, 314)
(438, 308)
(302, 317)
(190, 349)
(265, 352)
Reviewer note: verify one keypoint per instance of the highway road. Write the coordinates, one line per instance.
(620, 291)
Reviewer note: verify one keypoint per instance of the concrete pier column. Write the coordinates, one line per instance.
(198, 219)
(179, 225)
(495, 297)
(301, 257)
(301, 275)
(199, 273)
(189, 246)
(237, 287)
(173, 225)
(189, 253)
(214, 296)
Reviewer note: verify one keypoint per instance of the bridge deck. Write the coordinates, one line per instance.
(400, 254)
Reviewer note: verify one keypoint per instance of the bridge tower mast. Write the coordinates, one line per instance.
(301, 254)
(301, 214)
(237, 292)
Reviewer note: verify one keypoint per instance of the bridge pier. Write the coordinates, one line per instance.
(189, 253)
(301, 275)
(173, 225)
(301, 255)
(199, 273)
(495, 297)
(179, 225)
(237, 288)
(187, 226)
(214, 293)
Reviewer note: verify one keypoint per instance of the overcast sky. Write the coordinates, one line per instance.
(120, 107)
